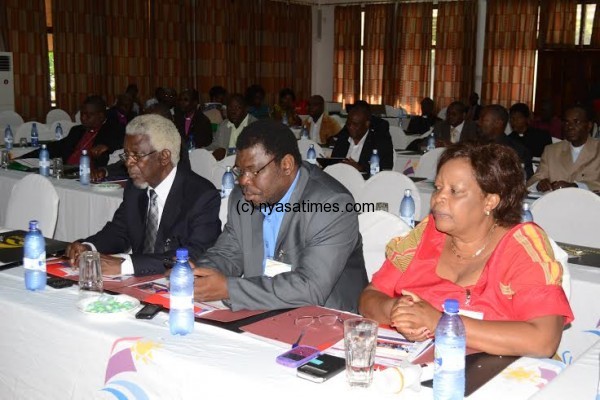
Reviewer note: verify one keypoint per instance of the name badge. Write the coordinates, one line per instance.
(273, 268)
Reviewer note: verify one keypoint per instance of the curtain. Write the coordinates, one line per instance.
(346, 61)
(377, 49)
(455, 51)
(557, 23)
(595, 42)
(27, 39)
(300, 41)
(509, 54)
(3, 27)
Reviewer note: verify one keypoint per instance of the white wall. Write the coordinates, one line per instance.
(322, 53)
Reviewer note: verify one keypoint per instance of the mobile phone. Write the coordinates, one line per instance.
(297, 356)
(59, 283)
(321, 368)
(148, 312)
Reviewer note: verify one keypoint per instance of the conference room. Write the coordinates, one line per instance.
(381, 99)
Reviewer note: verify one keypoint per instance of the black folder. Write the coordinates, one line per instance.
(11, 248)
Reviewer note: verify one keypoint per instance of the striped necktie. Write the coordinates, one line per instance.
(151, 223)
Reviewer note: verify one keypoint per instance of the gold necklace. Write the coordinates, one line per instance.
(454, 249)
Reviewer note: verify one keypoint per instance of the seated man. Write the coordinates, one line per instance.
(362, 134)
(455, 128)
(321, 127)
(193, 126)
(229, 130)
(286, 245)
(420, 124)
(534, 139)
(96, 134)
(285, 110)
(122, 112)
(164, 206)
(574, 162)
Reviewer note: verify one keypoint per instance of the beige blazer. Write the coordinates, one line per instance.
(557, 164)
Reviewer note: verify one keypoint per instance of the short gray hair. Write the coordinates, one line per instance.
(162, 133)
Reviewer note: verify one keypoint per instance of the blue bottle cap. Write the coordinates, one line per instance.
(33, 224)
(451, 305)
(182, 254)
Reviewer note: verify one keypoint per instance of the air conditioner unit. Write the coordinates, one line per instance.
(7, 82)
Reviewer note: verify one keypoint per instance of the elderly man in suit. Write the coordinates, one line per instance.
(321, 127)
(165, 206)
(455, 128)
(290, 239)
(574, 162)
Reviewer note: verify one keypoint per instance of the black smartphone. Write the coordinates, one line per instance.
(59, 283)
(148, 312)
(321, 368)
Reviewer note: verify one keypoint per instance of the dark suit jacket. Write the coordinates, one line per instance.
(201, 128)
(110, 134)
(378, 138)
(113, 114)
(323, 248)
(190, 219)
(522, 152)
(534, 139)
(420, 124)
(469, 131)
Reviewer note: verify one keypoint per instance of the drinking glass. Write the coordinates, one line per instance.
(4, 158)
(57, 167)
(23, 142)
(360, 342)
(90, 275)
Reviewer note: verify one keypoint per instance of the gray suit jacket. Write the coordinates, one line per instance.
(223, 134)
(323, 248)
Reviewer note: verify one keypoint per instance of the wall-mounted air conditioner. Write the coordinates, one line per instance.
(7, 82)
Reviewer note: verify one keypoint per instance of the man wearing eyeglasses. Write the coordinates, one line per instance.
(573, 162)
(165, 205)
(273, 253)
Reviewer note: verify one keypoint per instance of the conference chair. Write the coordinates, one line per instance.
(377, 229)
(203, 163)
(57, 115)
(10, 118)
(348, 176)
(399, 139)
(388, 187)
(220, 168)
(569, 215)
(428, 163)
(33, 197)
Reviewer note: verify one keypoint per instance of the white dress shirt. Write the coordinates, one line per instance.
(235, 132)
(457, 132)
(355, 149)
(315, 129)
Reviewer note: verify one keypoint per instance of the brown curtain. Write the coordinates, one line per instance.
(557, 23)
(27, 39)
(455, 51)
(595, 42)
(377, 48)
(509, 55)
(300, 42)
(346, 61)
(3, 27)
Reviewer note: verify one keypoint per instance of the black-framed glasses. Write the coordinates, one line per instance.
(238, 172)
(135, 157)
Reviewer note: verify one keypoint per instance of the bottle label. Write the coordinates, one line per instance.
(84, 170)
(36, 264)
(44, 163)
(449, 358)
(181, 302)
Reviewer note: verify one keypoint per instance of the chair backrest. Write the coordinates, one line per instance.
(428, 163)
(33, 197)
(569, 215)
(333, 107)
(304, 145)
(57, 115)
(388, 187)
(66, 127)
(24, 131)
(348, 176)
(220, 168)
(10, 118)
(340, 120)
(203, 163)
(399, 138)
(390, 111)
(377, 229)
(78, 117)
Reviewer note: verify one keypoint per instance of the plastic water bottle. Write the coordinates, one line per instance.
(450, 350)
(374, 163)
(227, 182)
(311, 154)
(34, 258)
(407, 209)
(35, 137)
(181, 309)
(304, 133)
(8, 138)
(44, 161)
(58, 132)
(84, 168)
(431, 142)
(526, 215)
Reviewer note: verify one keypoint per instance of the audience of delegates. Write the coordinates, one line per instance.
(492, 124)
(283, 257)
(474, 109)
(362, 134)
(473, 248)
(321, 127)
(215, 109)
(534, 139)
(99, 136)
(420, 124)
(573, 162)
(455, 128)
(164, 206)
(285, 110)
(255, 97)
(193, 126)
(122, 111)
(546, 120)
(229, 130)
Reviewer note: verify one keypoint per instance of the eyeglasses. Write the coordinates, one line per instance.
(238, 172)
(135, 157)
(324, 319)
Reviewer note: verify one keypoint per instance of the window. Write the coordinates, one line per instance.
(50, 36)
(585, 23)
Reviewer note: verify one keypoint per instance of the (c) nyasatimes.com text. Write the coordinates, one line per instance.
(243, 206)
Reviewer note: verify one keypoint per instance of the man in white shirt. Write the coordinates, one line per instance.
(164, 206)
(229, 130)
(574, 162)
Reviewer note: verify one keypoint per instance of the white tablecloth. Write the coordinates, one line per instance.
(82, 210)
